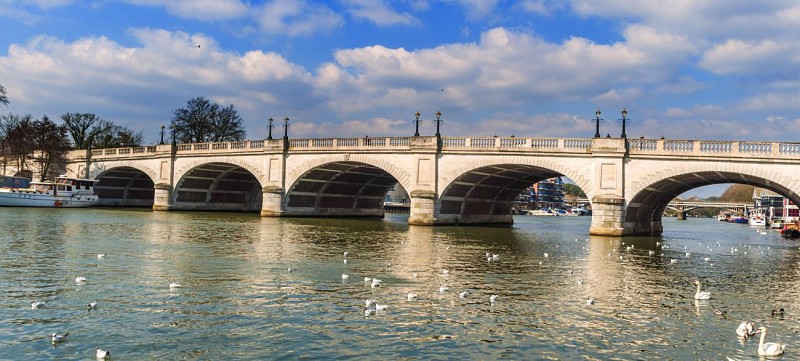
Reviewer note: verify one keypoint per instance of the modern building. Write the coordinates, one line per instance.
(548, 193)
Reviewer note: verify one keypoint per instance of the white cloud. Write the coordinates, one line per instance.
(296, 18)
(504, 69)
(378, 12)
(199, 9)
(753, 58)
(769, 102)
(144, 83)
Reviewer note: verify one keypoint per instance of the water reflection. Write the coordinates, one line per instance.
(240, 300)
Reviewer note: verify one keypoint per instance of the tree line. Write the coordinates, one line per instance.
(39, 145)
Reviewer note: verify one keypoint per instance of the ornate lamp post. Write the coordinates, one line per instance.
(162, 134)
(286, 128)
(174, 141)
(597, 123)
(624, 120)
(416, 132)
(438, 120)
(270, 128)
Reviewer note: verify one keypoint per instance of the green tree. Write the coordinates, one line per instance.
(3, 97)
(573, 190)
(202, 121)
(51, 145)
(738, 193)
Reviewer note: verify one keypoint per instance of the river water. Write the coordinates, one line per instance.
(238, 299)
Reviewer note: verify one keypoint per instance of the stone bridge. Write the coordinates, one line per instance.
(450, 180)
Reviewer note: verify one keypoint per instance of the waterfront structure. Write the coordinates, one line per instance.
(450, 180)
(549, 193)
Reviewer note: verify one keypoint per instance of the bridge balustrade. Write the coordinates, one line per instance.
(643, 144)
(716, 146)
(789, 148)
(679, 145)
(578, 143)
(755, 147)
(570, 145)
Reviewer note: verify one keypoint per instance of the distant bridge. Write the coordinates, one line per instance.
(685, 206)
(450, 180)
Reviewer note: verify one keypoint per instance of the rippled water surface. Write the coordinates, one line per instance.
(239, 300)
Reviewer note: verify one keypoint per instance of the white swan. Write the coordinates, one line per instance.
(37, 304)
(746, 329)
(463, 294)
(80, 279)
(411, 296)
(589, 300)
(91, 306)
(493, 298)
(769, 348)
(345, 276)
(174, 285)
(701, 295)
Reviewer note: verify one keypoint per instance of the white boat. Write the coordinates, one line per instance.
(776, 223)
(757, 220)
(541, 212)
(64, 192)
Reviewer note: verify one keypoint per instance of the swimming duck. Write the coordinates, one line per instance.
(101, 354)
(59, 337)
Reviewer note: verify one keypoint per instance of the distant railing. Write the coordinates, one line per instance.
(655, 147)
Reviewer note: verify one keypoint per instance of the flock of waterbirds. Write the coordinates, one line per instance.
(372, 306)
(59, 337)
(745, 330)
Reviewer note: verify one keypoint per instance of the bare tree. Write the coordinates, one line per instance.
(16, 132)
(79, 126)
(3, 97)
(51, 146)
(202, 121)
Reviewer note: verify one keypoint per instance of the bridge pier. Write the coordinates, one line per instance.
(272, 201)
(423, 208)
(608, 214)
(162, 197)
(681, 216)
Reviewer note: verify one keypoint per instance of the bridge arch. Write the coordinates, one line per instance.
(124, 184)
(651, 195)
(484, 191)
(217, 186)
(400, 175)
(342, 185)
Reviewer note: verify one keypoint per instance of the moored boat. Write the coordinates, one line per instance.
(541, 212)
(757, 220)
(64, 192)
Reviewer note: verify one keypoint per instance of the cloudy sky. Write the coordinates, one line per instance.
(686, 69)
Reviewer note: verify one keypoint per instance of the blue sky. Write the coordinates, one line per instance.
(703, 69)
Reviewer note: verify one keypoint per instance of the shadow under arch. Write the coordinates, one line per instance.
(339, 189)
(124, 186)
(217, 186)
(485, 195)
(644, 211)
